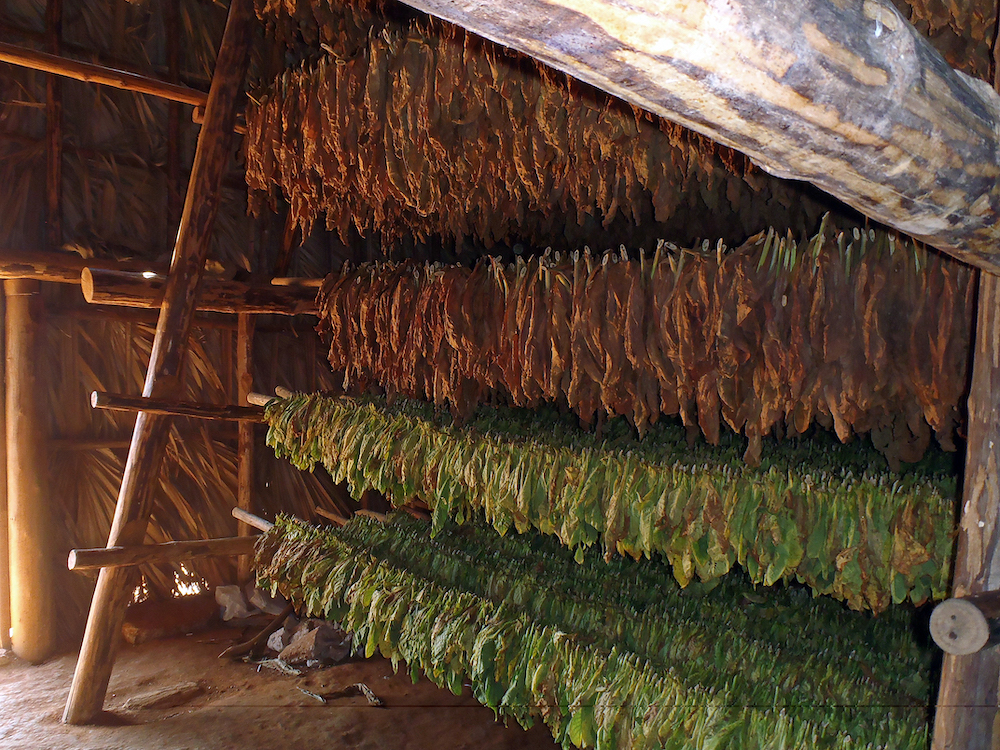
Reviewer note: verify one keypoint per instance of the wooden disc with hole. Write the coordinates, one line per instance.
(959, 627)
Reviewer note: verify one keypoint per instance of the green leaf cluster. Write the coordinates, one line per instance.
(822, 513)
(608, 654)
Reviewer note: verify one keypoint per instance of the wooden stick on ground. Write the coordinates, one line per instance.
(258, 641)
(166, 365)
(114, 557)
(120, 402)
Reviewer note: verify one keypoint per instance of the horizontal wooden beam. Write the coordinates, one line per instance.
(145, 290)
(119, 402)
(62, 267)
(251, 520)
(93, 73)
(117, 557)
(845, 95)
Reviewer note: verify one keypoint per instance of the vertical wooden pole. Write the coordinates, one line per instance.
(166, 364)
(4, 544)
(53, 128)
(967, 700)
(172, 25)
(244, 470)
(32, 559)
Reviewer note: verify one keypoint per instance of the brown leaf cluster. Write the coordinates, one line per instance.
(859, 336)
(424, 129)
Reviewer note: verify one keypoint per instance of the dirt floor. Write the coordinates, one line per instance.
(244, 708)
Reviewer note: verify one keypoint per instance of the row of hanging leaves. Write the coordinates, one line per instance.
(861, 333)
(420, 128)
(607, 655)
(815, 511)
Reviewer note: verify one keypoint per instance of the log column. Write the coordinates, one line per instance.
(967, 700)
(30, 512)
(4, 545)
(244, 469)
(166, 365)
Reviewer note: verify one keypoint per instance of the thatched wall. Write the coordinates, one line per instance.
(119, 199)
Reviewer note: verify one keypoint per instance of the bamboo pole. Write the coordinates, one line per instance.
(967, 699)
(93, 73)
(121, 402)
(144, 290)
(4, 540)
(29, 506)
(166, 365)
(116, 557)
(244, 466)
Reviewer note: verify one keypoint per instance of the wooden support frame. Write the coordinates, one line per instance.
(166, 365)
(121, 402)
(116, 557)
(93, 73)
(146, 290)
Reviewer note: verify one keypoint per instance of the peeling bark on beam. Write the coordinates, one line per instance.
(166, 365)
(131, 289)
(847, 96)
(93, 73)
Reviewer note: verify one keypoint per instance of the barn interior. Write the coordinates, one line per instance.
(426, 374)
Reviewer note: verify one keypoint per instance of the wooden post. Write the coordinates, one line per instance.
(4, 539)
(166, 365)
(114, 557)
(93, 73)
(132, 289)
(967, 700)
(244, 467)
(29, 505)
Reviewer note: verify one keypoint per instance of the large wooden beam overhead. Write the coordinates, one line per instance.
(847, 96)
(166, 365)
